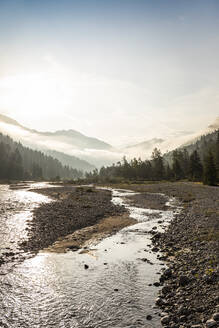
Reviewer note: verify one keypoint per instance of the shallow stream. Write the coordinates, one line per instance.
(55, 290)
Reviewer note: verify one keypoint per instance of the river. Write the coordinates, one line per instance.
(55, 290)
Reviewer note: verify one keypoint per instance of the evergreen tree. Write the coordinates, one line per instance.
(157, 164)
(169, 172)
(210, 175)
(177, 169)
(195, 166)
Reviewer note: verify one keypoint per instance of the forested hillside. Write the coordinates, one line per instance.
(19, 162)
(196, 162)
(71, 161)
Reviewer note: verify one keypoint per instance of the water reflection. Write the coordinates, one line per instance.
(55, 290)
(16, 207)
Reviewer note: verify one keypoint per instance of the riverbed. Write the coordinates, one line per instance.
(110, 285)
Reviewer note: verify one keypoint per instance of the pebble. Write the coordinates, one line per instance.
(160, 301)
(163, 314)
(183, 280)
(215, 316)
(165, 320)
(211, 323)
(156, 284)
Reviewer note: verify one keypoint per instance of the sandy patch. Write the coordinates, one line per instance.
(91, 235)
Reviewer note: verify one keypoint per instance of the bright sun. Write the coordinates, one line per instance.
(36, 92)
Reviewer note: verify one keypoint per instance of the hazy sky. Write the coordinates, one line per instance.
(119, 70)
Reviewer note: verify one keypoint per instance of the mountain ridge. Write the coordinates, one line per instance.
(87, 141)
(65, 159)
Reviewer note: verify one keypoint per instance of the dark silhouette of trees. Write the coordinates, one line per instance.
(210, 173)
(157, 164)
(183, 163)
(21, 163)
(177, 166)
(195, 167)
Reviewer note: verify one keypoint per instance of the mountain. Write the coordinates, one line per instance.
(8, 120)
(77, 139)
(22, 163)
(70, 161)
(49, 142)
(200, 142)
(214, 125)
(144, 148)
(85, 153)
(74, 138)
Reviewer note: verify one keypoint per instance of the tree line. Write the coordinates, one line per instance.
(21, 163)
(197, 162)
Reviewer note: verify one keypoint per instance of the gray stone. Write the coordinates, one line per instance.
(160, 302)
(215, 316)
(165, 320)
(184, 280)
(163, 314)
(211, 323)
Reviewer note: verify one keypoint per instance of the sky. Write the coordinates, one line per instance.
(123, 71)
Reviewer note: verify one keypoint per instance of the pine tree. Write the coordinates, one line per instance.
(157, 163)
(195, 166)
(210, 174)
(177, 169)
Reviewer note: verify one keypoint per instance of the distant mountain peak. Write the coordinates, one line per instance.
(8, 120)
(65, 133)
(147, 144)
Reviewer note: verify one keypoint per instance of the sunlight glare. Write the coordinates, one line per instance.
(35, 93)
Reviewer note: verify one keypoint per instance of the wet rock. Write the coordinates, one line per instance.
(166, 274)
(156, 284)
(159, 301)
(74, 248)
(144, 259)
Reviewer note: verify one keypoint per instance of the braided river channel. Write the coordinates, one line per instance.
(54, 290)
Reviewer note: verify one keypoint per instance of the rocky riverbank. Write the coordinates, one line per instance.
(189, 296)
(73, 208)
